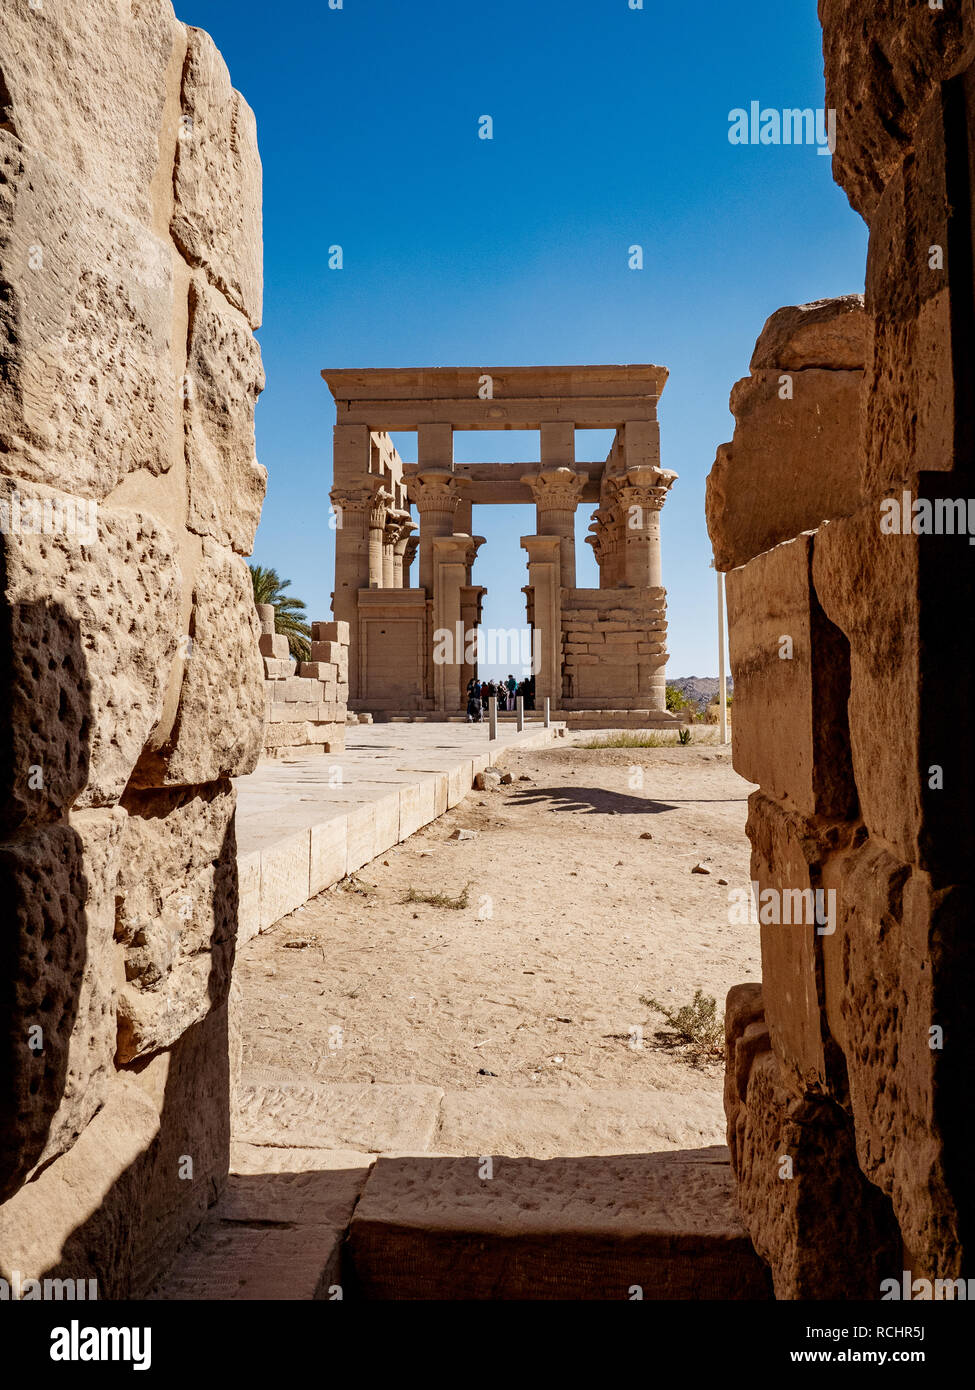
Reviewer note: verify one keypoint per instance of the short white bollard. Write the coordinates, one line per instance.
(520, 707)
(492, 718)
(548, 713)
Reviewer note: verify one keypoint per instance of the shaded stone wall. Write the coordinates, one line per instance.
(130, 259)
(848, 1092)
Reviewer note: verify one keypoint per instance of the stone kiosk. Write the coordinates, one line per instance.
(596, 650)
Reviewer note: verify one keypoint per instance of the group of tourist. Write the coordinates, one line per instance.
(506, 692)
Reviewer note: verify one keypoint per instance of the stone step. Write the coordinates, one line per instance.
(654, 1226)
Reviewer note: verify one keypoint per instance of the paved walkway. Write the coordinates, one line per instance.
(305, 822)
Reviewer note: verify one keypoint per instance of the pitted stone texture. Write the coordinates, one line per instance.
(89, 391)
(795, 1163)
(226, 483)
(883, 970)
(794, 461)
(220, 717)
(433, 1227)
(791, 668)
(883, 61)
(93, 630)
(61, 971)
(84, 83)
(176, 913)
(217, 216)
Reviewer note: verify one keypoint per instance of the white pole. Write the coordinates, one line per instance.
(548, 713)
(520, 707)
(722, 663)
(492, 718)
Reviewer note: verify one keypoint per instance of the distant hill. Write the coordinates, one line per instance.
(700, 689)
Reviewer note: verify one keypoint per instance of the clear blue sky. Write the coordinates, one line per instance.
(610, 129)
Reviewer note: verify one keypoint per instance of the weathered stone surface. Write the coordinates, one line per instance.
(791, 674)
(89, 391)
(219, 721)
(794, 460)
(788, 856)
(93, 630)
(226, 483)
(833, 334)
(217, 216)
(176, 912)
(62, 971)
(90, 1191)
(824, 1230)
(909, 397)
(882, 974)
(867, 583)
(883, 62)
(85, 84)
(433, 1227)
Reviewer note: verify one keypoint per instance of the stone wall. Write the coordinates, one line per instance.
(130, 247)
(849, 1091)
(614, 649)
(305, 706)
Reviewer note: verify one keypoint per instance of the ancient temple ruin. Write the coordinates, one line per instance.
(593, 649)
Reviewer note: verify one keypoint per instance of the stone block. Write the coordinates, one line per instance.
(105, 615)
(85, 85)
(275, 647)
(791, 669)
(327, 653)
(89, 391)
(432, 1228)
(176, 912)
(285, 877)
(361, 836)
(409, 811)
(387, 822)
(329, 854)
(277, 668)
(317, 670)
(62, 968)
(217, 180)
(459, 782)
(218, 725)
(249, 896)
(793, 463)
(225, 377)
(331, 632)
(912, 49)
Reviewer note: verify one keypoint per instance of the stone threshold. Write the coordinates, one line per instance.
(312, 1224)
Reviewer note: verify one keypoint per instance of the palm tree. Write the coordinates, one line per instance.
(289, 613)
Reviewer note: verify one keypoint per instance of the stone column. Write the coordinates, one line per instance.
(641, 494)
(436, 494)
(544, 578)
(395, 521)
(351, 509)
(471, 601)
(449, 556)
(378, 508)
(557, 492)
(405, 539)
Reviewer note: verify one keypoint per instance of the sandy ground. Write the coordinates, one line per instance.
(573, 915)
